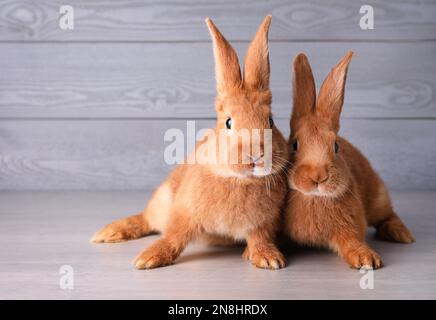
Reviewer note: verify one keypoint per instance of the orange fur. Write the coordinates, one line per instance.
(221, 202)
(334, 196)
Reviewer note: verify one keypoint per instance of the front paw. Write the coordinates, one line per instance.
(154, 257)
(110, 234)
(266, 258)
(128, 228)
(364, 257)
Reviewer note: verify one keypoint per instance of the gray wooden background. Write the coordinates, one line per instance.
(86, 109)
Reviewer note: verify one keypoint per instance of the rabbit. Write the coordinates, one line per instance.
(223, 203)
(334, 192)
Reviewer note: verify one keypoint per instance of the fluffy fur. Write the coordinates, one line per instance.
(223, 203)
(335, 194)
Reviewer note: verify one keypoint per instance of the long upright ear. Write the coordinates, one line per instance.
(227, 70)
(256, 65)
(304, 93)
(331, 94)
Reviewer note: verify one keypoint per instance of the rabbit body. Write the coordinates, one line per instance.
(335, 193)
(221, 203)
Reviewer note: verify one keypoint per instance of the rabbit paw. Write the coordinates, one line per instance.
(394, 229)
(154, 257)
(110, 234)
(129, 228)
(265, 259)
(364, 257)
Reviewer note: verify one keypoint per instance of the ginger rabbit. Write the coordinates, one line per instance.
(226, 202)
(335, 193)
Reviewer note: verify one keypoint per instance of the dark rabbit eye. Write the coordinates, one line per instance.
(229, 123)
(271, 122)
(336, 147)
(295, 146)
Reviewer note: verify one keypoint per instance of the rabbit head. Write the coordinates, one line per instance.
(243, 104)
(317, 166)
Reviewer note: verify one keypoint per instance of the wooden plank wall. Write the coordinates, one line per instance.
(86, 109)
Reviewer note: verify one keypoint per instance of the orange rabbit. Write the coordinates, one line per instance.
(228, 202)
(335, 193)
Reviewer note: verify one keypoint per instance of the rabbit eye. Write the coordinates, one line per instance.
(336, 147)
(271, 122)
(229, 123)
(295, 146)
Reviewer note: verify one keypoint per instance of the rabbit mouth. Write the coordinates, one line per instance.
(320, 190)
(261, 171)
(324, 190)
(316, 192)
(255, 172)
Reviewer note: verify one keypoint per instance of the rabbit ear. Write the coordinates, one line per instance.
(256, 65)
(227, 70)
(331, 94)
(304, 94)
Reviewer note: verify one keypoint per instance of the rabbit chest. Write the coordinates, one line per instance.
(235, 210)
(313, 222)
(236, 215)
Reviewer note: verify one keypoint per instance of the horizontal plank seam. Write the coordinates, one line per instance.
(182, 118)
(208, 41)
(151, 189)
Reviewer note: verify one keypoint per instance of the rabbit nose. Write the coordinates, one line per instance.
(319, 177)
(255, 159)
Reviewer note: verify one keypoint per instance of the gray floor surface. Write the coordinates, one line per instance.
(42, 231)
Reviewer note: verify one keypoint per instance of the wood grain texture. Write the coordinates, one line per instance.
(40, 232)
(395, 80)
(182, 20)
(129, 154)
